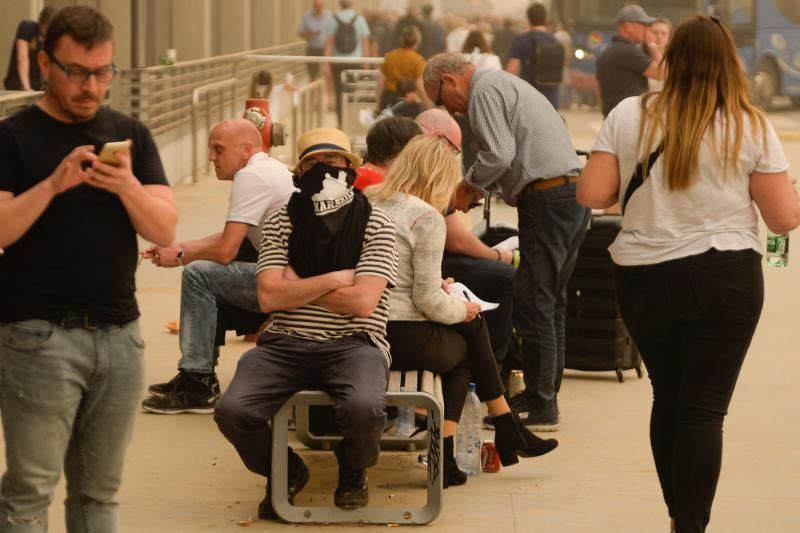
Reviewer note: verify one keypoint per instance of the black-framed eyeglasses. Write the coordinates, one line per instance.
(438, 102)
(80, 74)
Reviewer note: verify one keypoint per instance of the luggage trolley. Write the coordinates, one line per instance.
(358, 93)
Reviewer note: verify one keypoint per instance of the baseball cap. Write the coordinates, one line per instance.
(634, 13)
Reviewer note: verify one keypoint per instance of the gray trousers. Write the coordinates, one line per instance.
(351, 370)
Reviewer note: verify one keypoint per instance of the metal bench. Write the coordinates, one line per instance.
(426, 394)
(410, 381)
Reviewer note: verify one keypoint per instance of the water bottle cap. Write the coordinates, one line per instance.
(471, 387)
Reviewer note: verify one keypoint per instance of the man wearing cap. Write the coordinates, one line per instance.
(623, 68)
(326, 264)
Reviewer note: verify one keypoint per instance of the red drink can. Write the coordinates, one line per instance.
(490, 461)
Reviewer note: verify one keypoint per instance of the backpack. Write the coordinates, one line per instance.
(546, 62)
(345, 37)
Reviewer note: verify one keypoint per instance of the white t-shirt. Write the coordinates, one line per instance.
(260, 187)
(715, 212)
(481, 60)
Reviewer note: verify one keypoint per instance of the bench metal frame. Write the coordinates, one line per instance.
(369, 514)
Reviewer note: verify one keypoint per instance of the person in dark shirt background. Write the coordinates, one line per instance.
(23, 69)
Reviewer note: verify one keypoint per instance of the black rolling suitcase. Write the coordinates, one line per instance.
(596, 337)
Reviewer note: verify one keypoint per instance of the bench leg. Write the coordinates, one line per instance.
(370, 514)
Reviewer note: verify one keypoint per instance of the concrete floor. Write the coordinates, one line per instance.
(182, 476)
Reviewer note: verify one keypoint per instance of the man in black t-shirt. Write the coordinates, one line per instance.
(71, 353)
(623, 67)
(23, 68)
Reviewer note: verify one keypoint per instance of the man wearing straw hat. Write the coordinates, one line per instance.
(326, 264)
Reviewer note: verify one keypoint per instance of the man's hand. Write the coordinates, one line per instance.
(506, 256)
(116, 179)
(344, 278)
(472, 310)
(163, 256)
(69, 173)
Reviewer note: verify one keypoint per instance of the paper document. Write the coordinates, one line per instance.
(512, 243)
(461, 291)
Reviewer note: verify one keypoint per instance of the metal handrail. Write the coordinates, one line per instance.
(16, 100)
(308, 110)
(160, 96)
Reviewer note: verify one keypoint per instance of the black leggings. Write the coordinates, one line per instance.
(460, 353)
(692, 320)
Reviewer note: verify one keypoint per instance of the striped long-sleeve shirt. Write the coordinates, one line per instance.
(522, 137)
(313, 322)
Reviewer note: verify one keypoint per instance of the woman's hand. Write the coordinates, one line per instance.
(446, 284)
(472, 311)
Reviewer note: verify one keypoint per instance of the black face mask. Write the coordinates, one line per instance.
(312, 182)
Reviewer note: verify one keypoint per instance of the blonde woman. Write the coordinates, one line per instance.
(688, 257)
(430, 329)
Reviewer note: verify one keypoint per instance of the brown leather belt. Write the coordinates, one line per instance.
(549, 183)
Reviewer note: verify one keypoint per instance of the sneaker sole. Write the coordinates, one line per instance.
(181, 410)
(543, 428)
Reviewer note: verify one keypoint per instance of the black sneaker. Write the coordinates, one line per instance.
(298, 477)
(352, 491)
(193, 393)
(160, 389)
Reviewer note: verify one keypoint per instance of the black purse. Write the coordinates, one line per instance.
(640, 174)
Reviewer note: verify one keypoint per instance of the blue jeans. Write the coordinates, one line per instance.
(204, 283)
(551, 228)
(67, 397)
(492, 281)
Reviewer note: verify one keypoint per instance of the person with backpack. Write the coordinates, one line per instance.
(537, 56)
(348, 36)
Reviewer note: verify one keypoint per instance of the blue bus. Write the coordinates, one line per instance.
(767, 35)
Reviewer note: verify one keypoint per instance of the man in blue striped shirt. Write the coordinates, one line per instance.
(525, 153)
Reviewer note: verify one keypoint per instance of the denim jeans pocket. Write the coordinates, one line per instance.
(134, 332)
(29, 335)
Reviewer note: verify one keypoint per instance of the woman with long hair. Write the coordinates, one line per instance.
(478, 52)
(688, 257)
(429, 328)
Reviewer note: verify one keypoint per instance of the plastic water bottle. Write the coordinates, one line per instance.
(777, 249)
(404, 425)
(468, 435)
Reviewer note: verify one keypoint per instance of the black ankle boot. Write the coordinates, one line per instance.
(513, 439)
(452, 474)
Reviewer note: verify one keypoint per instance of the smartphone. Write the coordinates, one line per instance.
(109, 149)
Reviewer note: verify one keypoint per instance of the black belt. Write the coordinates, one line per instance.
(549, 183)
(79, 319)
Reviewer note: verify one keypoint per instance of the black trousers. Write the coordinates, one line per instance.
(460, 353)
(351, 370)
(692, 320)
(336, 72)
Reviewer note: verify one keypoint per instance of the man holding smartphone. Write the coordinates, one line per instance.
(71, 353)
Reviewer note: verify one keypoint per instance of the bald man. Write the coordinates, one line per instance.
(487, 271)
(211, 273)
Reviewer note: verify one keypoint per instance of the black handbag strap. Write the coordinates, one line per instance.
(640, 174)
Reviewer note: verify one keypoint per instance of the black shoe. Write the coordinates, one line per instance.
(352, 491)
(542, 420)
(513, 439)
(160, 389)
(193, 393)
(453, 475)
(298, 477)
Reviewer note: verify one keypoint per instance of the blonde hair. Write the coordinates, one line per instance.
(704, 78)
(426, 168)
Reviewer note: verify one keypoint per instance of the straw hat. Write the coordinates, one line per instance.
(325, 140)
